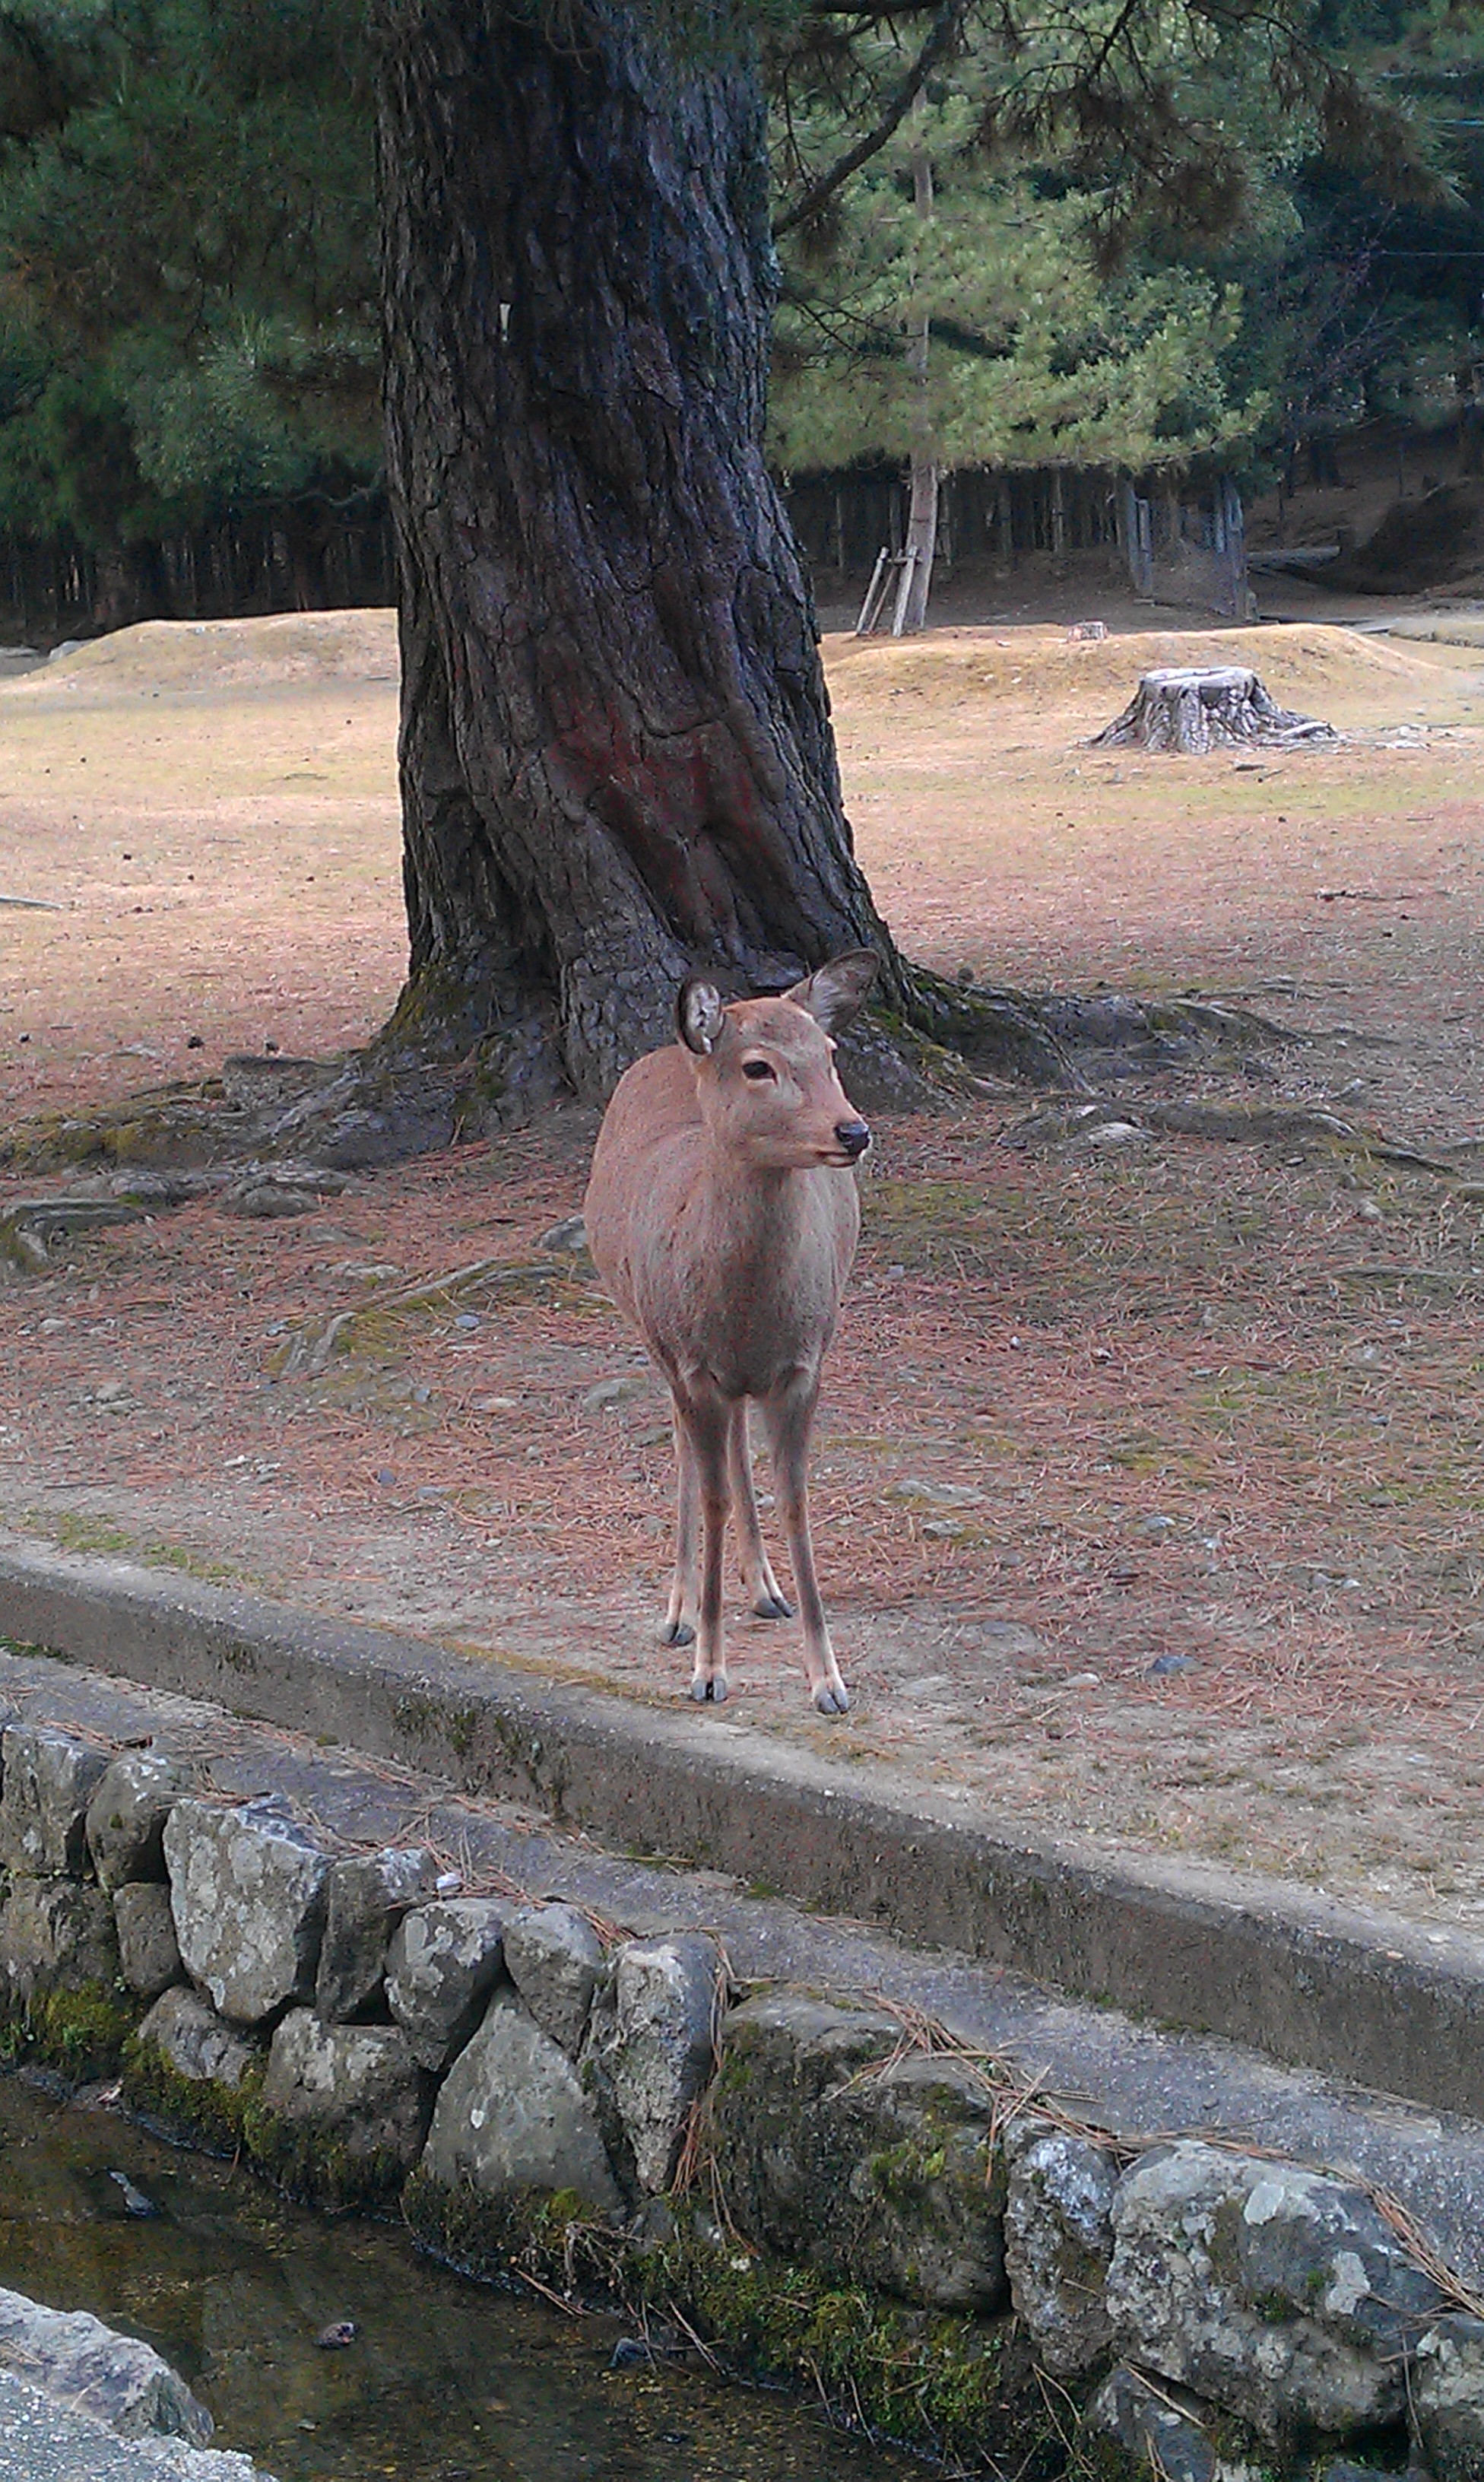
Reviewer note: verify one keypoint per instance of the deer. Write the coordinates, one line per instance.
(722, 1215)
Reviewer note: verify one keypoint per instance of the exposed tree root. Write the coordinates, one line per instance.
(320, 1339)
(1073, 1117)
(412, 1091)
(273, 1136)
(32, 1227)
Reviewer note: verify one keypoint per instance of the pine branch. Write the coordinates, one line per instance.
(45, 71)
(940, 41)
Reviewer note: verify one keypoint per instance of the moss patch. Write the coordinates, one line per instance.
(81, 2034)
(166, 1128)
(233, 2120)
(963, 2389)
(549, 2235)
(316, 2170)
(198, 2110)
(74, 1530)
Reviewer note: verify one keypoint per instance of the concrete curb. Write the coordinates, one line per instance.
(1366, 1997)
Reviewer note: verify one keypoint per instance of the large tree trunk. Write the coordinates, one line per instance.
(616, 757)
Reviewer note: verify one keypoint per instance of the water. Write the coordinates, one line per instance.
(447, 2381)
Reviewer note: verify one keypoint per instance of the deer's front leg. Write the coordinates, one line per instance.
(680, 1615)
(707, 1421)
(790, 1414)
(765, 1596)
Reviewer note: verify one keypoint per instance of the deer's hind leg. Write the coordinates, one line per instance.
(682, 1610)
(765, 1596)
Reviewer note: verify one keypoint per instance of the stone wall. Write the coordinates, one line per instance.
(814, 2185)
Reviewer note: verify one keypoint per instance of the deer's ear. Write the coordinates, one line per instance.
(700, 1016)
(833, 994)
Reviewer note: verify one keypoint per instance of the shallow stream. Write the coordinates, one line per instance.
(445, 2382)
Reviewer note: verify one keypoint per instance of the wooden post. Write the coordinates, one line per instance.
(1232, 535)
(1003, 544)
(1136, 534)
(871, 601)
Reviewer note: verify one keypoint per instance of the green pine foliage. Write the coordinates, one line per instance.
(1034, 355)
(187, 253)
(1159, 229)
(1373, 305)
(1081, 310)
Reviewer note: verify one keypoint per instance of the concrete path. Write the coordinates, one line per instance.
(1137, 2078)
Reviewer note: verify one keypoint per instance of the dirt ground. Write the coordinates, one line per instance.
(1149, 1477)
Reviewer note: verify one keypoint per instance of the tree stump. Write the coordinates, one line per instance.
(1192, 711)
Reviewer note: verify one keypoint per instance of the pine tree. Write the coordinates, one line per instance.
(617, 759)
(188, 318)
(1034, 355)
(957, 302)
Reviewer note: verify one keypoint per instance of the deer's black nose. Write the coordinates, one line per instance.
(853, 1135)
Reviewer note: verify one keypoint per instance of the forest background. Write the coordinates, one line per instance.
(189, 323)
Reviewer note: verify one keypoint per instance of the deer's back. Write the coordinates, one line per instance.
(652, 1133)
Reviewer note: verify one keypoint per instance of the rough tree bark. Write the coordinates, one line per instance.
(617, 759)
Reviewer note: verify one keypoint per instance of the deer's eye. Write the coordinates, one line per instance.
(760, 1072)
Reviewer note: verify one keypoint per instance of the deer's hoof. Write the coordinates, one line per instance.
(709, 1692)
(772, 1607)
(832, 1697)
(677, 1633)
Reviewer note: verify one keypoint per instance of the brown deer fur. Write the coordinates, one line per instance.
(722, 1215)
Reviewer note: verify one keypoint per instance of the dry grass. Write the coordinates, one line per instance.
(1187, 1403)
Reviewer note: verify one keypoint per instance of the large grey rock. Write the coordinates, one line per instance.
(1279, 2294)
(51, 2438)
(248, 1892)
(652, 2046)
(368, 1897)
(1447, 2397)
(1160, 2434)
(149, 1950)
(49, 1780)
(443, 1963)
(71, 2355)
(1058, 2240)
(356, 2087)
(55, 1935)
(876, 2167)
(554, 1957)
(511, 2121)
(784, 2056)
(193, 2040)
(125, 1822)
